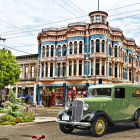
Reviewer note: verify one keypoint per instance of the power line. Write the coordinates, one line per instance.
(64, 8)
(76, 6)
(70, 18)
(14, 49)
(123, 6)
(72, 7)
(51, 23)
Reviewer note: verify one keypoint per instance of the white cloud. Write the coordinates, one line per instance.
(25, 14)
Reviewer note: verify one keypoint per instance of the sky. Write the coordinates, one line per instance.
(22, 20)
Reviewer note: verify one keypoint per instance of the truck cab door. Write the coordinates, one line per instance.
(119, 105)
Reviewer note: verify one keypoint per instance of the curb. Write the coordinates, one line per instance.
(31, 123)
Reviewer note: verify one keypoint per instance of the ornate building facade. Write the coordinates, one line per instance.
(72, 58)
(26, 86)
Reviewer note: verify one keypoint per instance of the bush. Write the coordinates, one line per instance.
(28, 116)
(7, 123)
(1, 110)
(7, 118)
(19, 120)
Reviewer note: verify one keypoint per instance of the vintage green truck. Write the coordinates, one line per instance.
(105, 106)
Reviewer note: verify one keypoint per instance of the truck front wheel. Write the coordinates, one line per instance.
(98, 127)
(66, 128)
(138, 122)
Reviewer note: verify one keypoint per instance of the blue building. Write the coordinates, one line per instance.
(72, 58)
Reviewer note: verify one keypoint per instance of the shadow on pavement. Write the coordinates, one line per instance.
(111, 130)
(4, 139)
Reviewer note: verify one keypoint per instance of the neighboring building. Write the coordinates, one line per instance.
(27, 82)
(72, 58)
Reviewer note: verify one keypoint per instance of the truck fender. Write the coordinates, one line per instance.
(137, 114)
(94, 114)
(62, 112)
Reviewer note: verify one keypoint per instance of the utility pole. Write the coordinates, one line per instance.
(95, 68)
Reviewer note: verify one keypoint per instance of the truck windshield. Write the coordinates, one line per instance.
(100, 92)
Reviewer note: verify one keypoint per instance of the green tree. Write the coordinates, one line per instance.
(9, 68)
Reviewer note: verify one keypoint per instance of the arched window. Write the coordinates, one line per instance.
(59, 51)
(97, 45)
(115, 51)
(43, 53)
(80, 47)
(64, 50)
(52, 50)
(92, 46)
(70, 49)
(75, 47)
(47, 50)
(103, 45)
(110, 50)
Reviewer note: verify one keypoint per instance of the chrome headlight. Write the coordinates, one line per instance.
(67, 107)
(85, 107)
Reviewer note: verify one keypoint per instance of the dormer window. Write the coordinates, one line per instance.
(97, 19)
(92, 19)
(103, 19)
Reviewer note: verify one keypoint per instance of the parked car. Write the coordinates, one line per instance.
(105, 106)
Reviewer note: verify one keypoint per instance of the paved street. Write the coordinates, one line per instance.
(52, 132)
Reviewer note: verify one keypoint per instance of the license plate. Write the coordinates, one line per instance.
(65, 117)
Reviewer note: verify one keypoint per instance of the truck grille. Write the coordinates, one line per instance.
(77, 108)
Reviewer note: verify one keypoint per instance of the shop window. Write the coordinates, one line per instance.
(42, 70)
(75, 47)
(59, 51)
(91, 67)
(129, 58)
(75, 68)
(46, 69)
(115, 51)
(98, 19)
(130, 75)
(59, 70)
(52, 50)
(64, 50)
(32, 72)
(92, 46)
(103, 45)
(47, 51)
(64, 69)
(43, 53)
(119, 92)
(80, 47)
(26, 72)
(97, 67)
(115, 70)
(70, 68)
(51, 70)
(103, 67)
(136, 76)
(71, 48)
(80, 67)
(97, 45)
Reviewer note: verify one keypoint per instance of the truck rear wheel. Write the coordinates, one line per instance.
(98, 127)
(66, 128)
